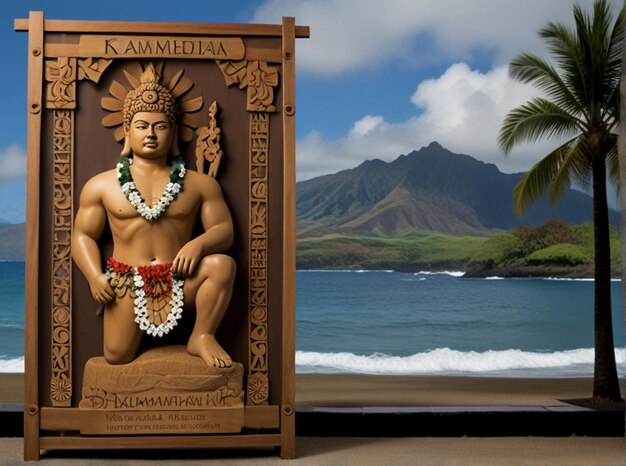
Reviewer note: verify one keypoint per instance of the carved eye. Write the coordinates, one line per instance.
(149, 97)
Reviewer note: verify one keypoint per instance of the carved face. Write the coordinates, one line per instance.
(150, 135)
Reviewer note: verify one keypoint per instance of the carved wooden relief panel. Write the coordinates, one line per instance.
(258, 59)
(258, 386)
(260, 79)
(61, 383)
(61, 76)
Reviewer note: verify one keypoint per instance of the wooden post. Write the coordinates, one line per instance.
(288, 415)
(35, 79)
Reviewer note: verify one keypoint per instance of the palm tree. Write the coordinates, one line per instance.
(580, 104)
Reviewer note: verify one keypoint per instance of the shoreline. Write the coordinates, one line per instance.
(585, 272)
(351, 390)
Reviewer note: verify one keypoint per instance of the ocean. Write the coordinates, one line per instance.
(386, 322)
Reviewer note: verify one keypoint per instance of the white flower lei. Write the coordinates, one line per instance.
(173, 187)
(141, 308)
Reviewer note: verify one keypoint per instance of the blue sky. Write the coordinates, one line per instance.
(375, 80)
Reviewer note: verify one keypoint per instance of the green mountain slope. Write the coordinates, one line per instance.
(432, 189)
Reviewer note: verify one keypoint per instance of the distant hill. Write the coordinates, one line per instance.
(12, 241)
(430, 189)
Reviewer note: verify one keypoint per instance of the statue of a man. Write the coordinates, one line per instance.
(152, 203)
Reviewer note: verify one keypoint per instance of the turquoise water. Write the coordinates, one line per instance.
(396, 323)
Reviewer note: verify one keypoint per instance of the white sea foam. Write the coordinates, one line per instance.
(494, 278)
(345, 270)
(12, 365)
(445, 272)
(563, 279)
(446, 360)
(324, 270)
(373, 271)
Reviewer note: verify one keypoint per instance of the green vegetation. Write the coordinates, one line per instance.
(537, 245)
(559, 254)
(415, 251)
(554, 243)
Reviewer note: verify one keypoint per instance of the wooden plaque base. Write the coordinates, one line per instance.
(165, 378)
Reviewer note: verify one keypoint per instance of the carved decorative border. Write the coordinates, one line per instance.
(61, 76)
(259, 78)
(258, 382)
(62, 213)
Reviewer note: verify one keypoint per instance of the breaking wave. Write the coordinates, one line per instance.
(12, 365)
(445, 272)
(449, 361)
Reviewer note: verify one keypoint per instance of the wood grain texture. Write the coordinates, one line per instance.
(35, 79)
(155, 27)
(71, 419)
(288, 424)
(265, 54)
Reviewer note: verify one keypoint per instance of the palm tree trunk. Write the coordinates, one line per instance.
(605, 381)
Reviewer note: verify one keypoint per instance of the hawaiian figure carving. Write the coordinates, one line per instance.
(151, 203)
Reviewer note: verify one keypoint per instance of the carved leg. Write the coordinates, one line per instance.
(211, 286)
(121, 334)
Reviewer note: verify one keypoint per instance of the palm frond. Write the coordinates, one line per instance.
(564, 46)
(538, 179)
(612, 164)
(576, 166)
(535, 120)
(530, 69)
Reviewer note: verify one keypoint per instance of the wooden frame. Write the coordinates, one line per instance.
(58, 61)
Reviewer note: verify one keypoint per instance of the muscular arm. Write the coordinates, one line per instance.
(88, 225)
(218, 226)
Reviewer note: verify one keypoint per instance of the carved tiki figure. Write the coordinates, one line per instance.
(151, 203)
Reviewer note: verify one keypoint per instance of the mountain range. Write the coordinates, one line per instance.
(430, 189)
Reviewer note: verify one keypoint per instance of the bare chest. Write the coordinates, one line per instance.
(149, 198)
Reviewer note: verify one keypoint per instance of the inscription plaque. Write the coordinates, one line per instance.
(221, 48)
(213, 421)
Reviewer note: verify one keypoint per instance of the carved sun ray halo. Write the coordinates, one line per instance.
(178, 85)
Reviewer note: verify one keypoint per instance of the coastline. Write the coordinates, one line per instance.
(349, 390)
(483, 271)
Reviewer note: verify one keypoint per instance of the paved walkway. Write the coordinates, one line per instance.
(341, 451)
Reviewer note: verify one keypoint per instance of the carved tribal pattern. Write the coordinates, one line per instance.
(61, 86)
(61, 75)
(62, 153)
(258, 384)
(259, 78)
(208, 144)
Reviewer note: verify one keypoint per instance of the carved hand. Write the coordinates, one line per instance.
(101, 289)
(187, 259)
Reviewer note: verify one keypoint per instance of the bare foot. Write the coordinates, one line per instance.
(207, 347)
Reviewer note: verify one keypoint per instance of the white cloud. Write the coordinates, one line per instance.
(347, 35)
(12, 163)
(366, 125)
(462, 109)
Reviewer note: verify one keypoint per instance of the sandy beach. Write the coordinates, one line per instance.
(368, 390)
